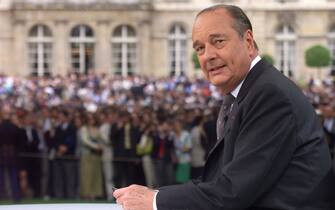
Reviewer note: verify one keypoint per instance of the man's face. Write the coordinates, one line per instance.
(224, 56)
(63, 118)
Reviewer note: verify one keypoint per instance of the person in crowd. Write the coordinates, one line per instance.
(198, 151)
(144, 149)
(50, 123)
(64, 165)
(183, 145)
(125, 135)
(163, 154)
(209, 127)
(270, 151)
(91, 177)
(106, 120)
(9, 160)
(328, 117)
(44, 127)
(26, 190)
(136, 135)
(32, 149)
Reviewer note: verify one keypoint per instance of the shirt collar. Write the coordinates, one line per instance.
(237, 89)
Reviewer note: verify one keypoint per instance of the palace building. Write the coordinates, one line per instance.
(149, 37)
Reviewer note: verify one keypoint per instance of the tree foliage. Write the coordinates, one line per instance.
(195, 60)
(268, 58)
(317, 56)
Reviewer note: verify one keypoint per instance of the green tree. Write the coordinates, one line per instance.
(195, 61)
(317, 57)
(268, 58)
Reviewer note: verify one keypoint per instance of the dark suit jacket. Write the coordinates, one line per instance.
(168, 145)
(30, 146)
(117, 136)
(272, 155)
(10, 144)
(67, 137)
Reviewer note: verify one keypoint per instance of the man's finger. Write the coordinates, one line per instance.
(119, 192)
(120, 200)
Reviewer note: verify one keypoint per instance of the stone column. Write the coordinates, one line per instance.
(20, 65)
(144, 52)
(103, 48)
(6, 41)
(61, 49)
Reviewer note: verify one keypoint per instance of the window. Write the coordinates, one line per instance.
(285, 46)
(331, 44)
(177, 49)
(124, 50)
(40, 50)
(82, 48)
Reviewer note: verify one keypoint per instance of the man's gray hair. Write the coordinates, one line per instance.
(241, 21)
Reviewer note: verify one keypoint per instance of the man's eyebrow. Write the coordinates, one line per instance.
(216, 35)
(211, 36)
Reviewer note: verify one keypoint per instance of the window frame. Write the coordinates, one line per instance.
(86, 43)
(124, 50)
(286, 49)
(177, 49)
(40, 46)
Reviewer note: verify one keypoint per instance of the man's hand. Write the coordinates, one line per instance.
(135, 197)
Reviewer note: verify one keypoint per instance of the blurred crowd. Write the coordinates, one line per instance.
(78, 136)
(321, 94)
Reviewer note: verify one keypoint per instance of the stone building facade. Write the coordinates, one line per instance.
(150, 37)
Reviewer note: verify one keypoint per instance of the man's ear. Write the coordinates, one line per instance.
(250, 42)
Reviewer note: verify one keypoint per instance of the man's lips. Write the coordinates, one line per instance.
(216, 69)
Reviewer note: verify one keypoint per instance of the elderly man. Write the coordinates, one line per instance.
(270, 151)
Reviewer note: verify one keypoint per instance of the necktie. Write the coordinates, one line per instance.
(127, 141)
(161, 148)
(225, 109)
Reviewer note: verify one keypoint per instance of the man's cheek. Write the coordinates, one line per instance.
(205, 73)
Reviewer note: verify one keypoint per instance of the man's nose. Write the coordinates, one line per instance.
(210, 52)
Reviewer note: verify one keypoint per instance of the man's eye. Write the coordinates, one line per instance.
(199, 50)
(218, 41)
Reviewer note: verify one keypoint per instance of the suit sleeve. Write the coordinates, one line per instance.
(264, 145)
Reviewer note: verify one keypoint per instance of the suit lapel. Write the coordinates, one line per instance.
(248, 82)
(251, 78)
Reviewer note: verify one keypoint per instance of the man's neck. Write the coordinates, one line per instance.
(238, 87)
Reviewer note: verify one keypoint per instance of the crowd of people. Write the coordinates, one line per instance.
(78, 136)
(322, 96)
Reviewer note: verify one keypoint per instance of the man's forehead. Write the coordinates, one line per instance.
(221, 17)
(220, 10)
(210, 26)
(217, 13)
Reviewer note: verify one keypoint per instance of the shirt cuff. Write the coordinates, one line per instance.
(154, 205)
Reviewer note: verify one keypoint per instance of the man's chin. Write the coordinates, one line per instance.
(219, 82)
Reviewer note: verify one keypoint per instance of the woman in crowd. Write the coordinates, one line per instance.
(183, 145)
(90, 161)
(144, 149)
(198, 150)
(106, 120)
